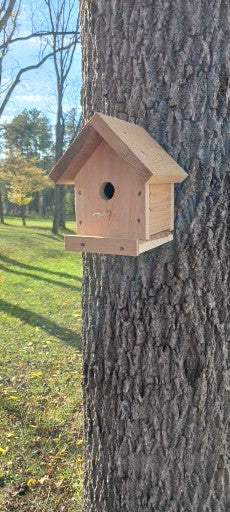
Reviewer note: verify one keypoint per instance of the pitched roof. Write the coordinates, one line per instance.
(131, 142)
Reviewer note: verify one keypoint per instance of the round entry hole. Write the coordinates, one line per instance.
(108, 190)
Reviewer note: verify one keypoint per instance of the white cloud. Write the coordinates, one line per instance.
(34, 42)
(6, 118)
(32, 98)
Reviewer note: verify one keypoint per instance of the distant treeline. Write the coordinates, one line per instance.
(27, 156)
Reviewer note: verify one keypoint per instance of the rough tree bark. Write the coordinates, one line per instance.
(156, 328)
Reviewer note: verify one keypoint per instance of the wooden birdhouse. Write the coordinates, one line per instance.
(124, 188)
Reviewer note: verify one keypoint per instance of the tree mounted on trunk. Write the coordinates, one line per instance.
(156, 327)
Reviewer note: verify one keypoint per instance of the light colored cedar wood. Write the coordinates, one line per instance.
(76, 155)
(161, 239)
(160, 208)
(101, 245)
(138, 149)
(147, 232)
(172, 208)
(127, 206)
(120, 247)
(131, 143)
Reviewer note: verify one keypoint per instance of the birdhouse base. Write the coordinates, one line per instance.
(118, 246)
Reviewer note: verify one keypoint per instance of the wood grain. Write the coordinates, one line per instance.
(101, 245)
(132, 144)
(160, 208)
(75, 157)
(116, 246)
(127, 206)
(136, 147)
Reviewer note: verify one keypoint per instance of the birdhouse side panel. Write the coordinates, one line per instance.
(110, 198)
(161, 208)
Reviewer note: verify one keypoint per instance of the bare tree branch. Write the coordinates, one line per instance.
(72, 50)
(38, 34)
(3, 7)
(61, 15)
(7, 13)
(24, 70)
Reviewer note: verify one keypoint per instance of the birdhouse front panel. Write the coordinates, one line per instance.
(110, 198)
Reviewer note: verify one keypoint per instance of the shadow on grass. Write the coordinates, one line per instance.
(57, 238)
(48, 326)
(39, 228)
(30, 226)
(40, 278)
(11, 261)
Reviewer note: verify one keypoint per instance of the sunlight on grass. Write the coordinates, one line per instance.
(40, 370)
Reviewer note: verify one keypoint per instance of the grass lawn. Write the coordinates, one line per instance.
(40, 370)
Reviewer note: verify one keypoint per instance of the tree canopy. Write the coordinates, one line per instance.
(30, 133)
(22, 178)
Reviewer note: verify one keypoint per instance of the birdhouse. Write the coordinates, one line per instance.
(124, 188)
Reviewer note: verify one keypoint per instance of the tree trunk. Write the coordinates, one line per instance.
(23, 215)
(57, 200)
(1, 209)
(156, 327)
(59, 196)
(44, 202)
(62, 208)
(36, 202)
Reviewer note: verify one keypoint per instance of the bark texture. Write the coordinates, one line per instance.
(156, 328)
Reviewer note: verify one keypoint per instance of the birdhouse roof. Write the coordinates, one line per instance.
(131, 143)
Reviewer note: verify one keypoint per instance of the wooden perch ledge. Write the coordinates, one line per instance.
(103, 245)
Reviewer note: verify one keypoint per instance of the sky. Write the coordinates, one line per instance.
(37, 88)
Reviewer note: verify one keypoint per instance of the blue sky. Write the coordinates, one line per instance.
(37, 88)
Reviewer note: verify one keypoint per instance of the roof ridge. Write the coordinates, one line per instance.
(134, 145)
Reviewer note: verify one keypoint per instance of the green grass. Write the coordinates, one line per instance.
(40, 370)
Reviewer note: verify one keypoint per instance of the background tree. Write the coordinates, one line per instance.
(156, 327)
(73, 125)
(9, 11)
(8, 21)
(10, 15)
(10, 34)
(1, 206)
(63, 18)
(30, 134)
(23, 179)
